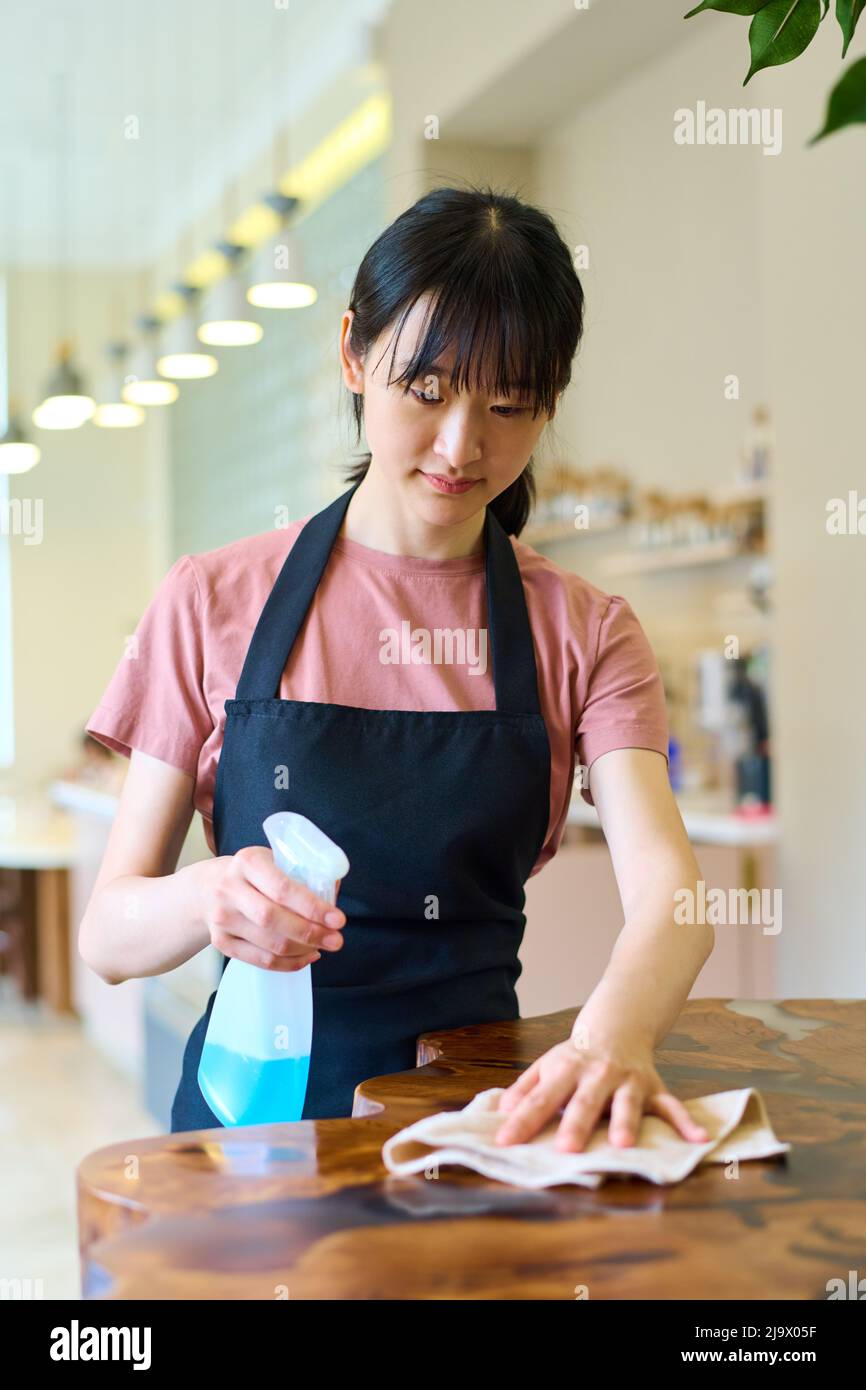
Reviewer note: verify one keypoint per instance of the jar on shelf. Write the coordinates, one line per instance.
(611, 491)
(571, 493)
(757, 452)
(719, 523)
(696, 519)
(659, 519)
(545, 496)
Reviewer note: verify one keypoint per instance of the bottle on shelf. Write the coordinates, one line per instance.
(758, 446)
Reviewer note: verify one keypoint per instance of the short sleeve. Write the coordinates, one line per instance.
(625, 704)
(155, 700)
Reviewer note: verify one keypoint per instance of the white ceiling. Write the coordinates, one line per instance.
(585, 55)
(209, 82)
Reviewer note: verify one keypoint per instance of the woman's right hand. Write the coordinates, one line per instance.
(256, 913)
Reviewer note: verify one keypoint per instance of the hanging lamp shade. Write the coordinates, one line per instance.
(278, 279)
(117, 414)
(180, 355)
(17, 453)
(112, 411)
(66, 404)
(226, 317)
(142, 383)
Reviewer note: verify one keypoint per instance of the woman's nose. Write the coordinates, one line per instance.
(459, 441)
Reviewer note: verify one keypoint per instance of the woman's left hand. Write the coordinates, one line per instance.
(587, 1081)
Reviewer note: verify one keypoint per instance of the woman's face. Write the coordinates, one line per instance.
(449, 454)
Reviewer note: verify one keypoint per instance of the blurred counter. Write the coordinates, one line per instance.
(708, 820)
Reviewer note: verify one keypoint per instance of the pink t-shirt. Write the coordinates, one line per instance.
(600, 685)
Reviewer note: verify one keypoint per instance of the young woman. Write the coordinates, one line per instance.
(424, 682)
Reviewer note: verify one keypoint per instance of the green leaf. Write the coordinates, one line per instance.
(847, 13)
(731, 6)
(781, 31)
(847, 101)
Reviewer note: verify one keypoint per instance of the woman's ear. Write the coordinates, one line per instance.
(352, 364)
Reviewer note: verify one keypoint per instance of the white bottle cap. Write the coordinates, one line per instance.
(304, 852)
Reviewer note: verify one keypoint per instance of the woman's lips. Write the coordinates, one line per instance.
(443, 484)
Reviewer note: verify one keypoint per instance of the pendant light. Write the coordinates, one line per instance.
(142, 383)
(180, 354)
(66, 404)
(277, 276)
(17, 453)
(112, 411)
(226, 319)
(278, 279)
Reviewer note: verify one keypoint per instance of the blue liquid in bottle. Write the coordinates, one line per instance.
(255, 1062)
(273, 1090)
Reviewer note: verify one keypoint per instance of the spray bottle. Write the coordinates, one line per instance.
(255, 1061)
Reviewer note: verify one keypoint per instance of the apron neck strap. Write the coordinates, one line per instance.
(515, 675)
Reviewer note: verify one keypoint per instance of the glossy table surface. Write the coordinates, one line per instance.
(308, 1210)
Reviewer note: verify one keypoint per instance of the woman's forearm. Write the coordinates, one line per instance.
(652, 967)
(136, 926)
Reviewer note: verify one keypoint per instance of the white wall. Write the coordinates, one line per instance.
(704, 261)
(812, 215)
(673, 291)
(709, 260)
(78, 593)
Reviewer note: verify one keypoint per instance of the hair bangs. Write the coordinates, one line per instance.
(496, 345)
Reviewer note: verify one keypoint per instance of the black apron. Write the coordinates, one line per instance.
(442, 815)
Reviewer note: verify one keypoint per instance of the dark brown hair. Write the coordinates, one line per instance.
(505, 292)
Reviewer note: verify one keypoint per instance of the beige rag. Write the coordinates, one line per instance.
(736, 1122)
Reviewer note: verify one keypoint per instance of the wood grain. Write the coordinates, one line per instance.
(308, 1210)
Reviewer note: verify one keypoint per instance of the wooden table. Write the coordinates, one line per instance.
(308, 1210)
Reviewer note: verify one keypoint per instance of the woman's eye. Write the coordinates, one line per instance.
(510, 410)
